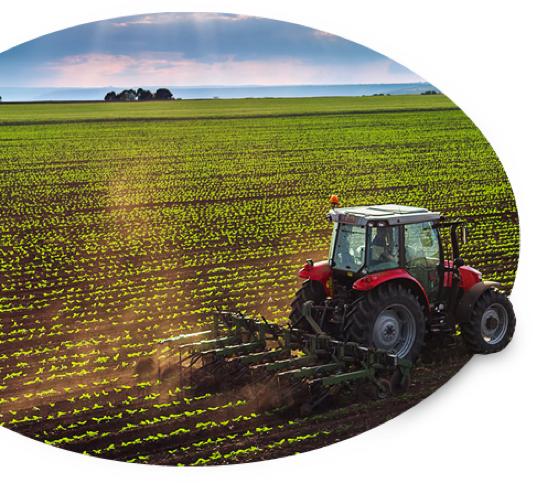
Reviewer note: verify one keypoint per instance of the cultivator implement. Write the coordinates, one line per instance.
(281, 365)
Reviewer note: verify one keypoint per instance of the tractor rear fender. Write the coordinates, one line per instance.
(469, 276)
(400, 275)
(469, 299)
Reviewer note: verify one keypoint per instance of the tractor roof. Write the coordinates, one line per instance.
(386, 214)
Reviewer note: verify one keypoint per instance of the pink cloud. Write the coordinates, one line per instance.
(96, 70)
(324, 35)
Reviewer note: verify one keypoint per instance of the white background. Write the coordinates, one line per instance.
(478, 426)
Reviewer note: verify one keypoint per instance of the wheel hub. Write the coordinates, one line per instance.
(494, 323)
(394, 330)
(386, 329)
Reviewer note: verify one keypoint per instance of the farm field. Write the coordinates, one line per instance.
(122, 224)
(213, 108)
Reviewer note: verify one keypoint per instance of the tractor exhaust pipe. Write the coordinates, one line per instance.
(456, 276)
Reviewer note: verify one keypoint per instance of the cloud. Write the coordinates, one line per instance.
(320, 34)
(85, 70)
(171, 18)
(156, 68)
(194, 49)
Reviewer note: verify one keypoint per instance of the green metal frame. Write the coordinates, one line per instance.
(315, 362)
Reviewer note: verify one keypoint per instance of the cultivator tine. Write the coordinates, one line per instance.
(309, 371)
(257, 358)
(284, 364)
(204, 345)
(231, 350)
(188, 337)
(341, 378)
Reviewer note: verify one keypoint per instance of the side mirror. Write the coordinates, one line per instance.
(463, 234)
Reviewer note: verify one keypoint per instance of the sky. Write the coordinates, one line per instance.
(194, 49)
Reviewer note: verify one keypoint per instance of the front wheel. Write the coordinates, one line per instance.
(390, 318)
(491, 325)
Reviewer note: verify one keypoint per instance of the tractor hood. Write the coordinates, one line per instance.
(319, 271)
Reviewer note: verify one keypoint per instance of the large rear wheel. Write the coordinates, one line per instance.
(491, 325)
(311, 290)
(389, 318)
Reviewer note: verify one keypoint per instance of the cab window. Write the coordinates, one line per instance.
(348, 248)
(421, 245)
(383, 248)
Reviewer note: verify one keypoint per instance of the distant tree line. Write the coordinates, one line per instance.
(162, 94)
(429, 93)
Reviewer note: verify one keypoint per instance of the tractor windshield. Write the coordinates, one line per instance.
(347, 250)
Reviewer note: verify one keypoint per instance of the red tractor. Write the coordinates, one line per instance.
(387, 283)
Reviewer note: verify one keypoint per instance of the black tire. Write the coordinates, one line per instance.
(311, 290)
(492, 307)
(398, 301)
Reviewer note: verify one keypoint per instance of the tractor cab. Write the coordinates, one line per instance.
(373, 239)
